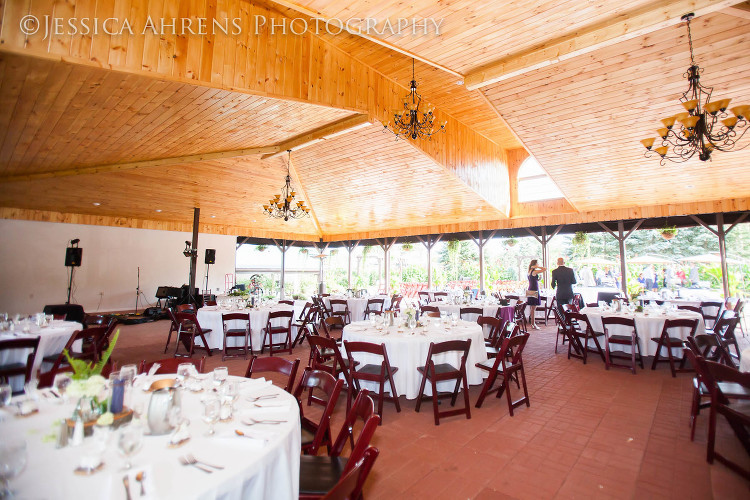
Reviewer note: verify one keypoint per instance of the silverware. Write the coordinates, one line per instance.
(139, 477)
(251, 421)
(190, 457)
(260, 398)
(186, 461)
(126, 483)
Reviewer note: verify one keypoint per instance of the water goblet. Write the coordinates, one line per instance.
(183, 373)
(61, 382)
(220, 375)
(5, 394)
(129, 442)
(12, 462)
(211, 411)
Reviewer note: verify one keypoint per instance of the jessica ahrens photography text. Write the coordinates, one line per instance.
(87, 26)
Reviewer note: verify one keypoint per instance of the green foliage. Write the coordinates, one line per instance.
(580, 238)
(85, 369)
(261, 248)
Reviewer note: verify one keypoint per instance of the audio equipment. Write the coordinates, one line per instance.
(210, 256)
(73, 257)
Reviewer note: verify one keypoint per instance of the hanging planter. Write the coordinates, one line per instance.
(580, 238)
(261, 248)
(303, 251)
(668, 232)
(407, 247)
(511, 242)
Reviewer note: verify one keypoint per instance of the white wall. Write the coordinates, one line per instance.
(33, 272)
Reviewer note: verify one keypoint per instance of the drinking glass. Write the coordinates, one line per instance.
(12, 462)
(211, 411)
(220, 375)
(128, 372)
(61, 383)
(454, 318)
(5, 394)
(183, 373)
(129, 442)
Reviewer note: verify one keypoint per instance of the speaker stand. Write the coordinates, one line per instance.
(137, 290)
(70, 283)
(205, 288)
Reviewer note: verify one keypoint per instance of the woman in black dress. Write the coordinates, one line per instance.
(532, 296)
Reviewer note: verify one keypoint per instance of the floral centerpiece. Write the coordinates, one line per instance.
(88, 384)
(410, 313)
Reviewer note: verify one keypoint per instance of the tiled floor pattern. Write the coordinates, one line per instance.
(589, 433)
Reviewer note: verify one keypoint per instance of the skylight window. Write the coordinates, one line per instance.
(534, 184)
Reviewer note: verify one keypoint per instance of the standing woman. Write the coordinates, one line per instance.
(532, 294)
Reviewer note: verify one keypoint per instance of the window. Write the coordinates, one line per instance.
(534, 184)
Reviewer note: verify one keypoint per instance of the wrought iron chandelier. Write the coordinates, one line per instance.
(281, 205)
(698, 130)
(412, 121)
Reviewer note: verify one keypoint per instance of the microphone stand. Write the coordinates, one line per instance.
(137, 290)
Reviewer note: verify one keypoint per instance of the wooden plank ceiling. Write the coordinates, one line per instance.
(78, 101)
(583, 118)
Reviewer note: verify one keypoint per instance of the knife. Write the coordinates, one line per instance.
(126, 483)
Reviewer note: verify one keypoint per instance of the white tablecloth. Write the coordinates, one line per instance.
(210, 317)
(648, 327)
(52, 340)
(407, 352)
(252, 469)
(745, 360)
(357, 306)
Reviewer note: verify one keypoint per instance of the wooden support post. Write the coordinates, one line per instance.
(283, 247)
(544, 239)
(621, 236)
(194, 254)
(386, 245)
(350, 246)
(480, 241)
(429, 242)
(722, 235)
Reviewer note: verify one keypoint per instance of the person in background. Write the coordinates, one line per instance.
(563, 279)
(649, 276)
(532, 294)
(694, 277)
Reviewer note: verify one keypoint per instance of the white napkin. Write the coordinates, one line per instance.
(254, 385)
(153, 369)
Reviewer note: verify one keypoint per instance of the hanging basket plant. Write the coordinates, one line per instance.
(668, 232)
(303, 251)
(261, 248)
(333, 252)
(580, 238)
(511, 242)
(407, 247)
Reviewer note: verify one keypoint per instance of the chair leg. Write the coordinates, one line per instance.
(169, 338)
(394, 394)
(656, 356)
(435, 410)
(421, 392)
(486, 388)
(380, 400)
(467, 405)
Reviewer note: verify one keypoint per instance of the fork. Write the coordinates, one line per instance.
(190, 457)
(186, 461)
(251, 421)
(259, 398)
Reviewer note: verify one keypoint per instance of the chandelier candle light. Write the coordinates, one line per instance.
(412, 121)
(281, 206)
(698, 130)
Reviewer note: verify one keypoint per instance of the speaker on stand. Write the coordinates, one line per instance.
(209, 259)
(73, 258)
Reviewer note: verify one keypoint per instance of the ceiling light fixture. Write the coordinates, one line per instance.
(411, 121)
(699, 131)
(280, 206)
(96, 203)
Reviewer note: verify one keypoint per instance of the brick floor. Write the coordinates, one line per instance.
(589, 433)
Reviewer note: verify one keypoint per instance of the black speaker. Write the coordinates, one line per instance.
(210, 256)
(73, 257)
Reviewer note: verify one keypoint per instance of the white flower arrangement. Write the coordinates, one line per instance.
(91, 387)
(409, 312)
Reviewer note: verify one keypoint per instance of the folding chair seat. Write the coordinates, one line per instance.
(491, 327)
(327, 389)
(92, 342)
(340, 309)
(508, 330)
(274, 365)
(668, 341)
(68, 312)
(325, 355)
(470, 313)
(188, 330)
(374, 306)
(331, 324)
(320, 474)
(169, 365)
(231, 333)
(631, 340)
(186, 308)
(580, 333)
(371, 372)
(284, 329)
(442, 372)
(349, 486)
(508, 365)
(711, 348)
(20, 363)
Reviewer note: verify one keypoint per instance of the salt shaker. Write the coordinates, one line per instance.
(62, 435)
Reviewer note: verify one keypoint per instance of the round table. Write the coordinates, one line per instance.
(407, 351)
(649, 325)
(265, 467)
(52, 340)
(210, 317)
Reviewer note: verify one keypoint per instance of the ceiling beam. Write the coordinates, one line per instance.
(120, 167)
(336, 128)
(317, 14)
(303, 192)
(617, 29)
(740, 10)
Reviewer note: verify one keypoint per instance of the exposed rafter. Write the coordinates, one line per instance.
(119, 167)
(617, 29)
(339, 127)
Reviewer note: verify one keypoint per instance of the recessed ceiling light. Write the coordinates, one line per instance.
(255, 221)
(213, 216)
(158, 210)
(690, 186)
(460, 82)
(96, 203)
(588, 197)
(479, 209)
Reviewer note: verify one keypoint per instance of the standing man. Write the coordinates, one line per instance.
(563, 279)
